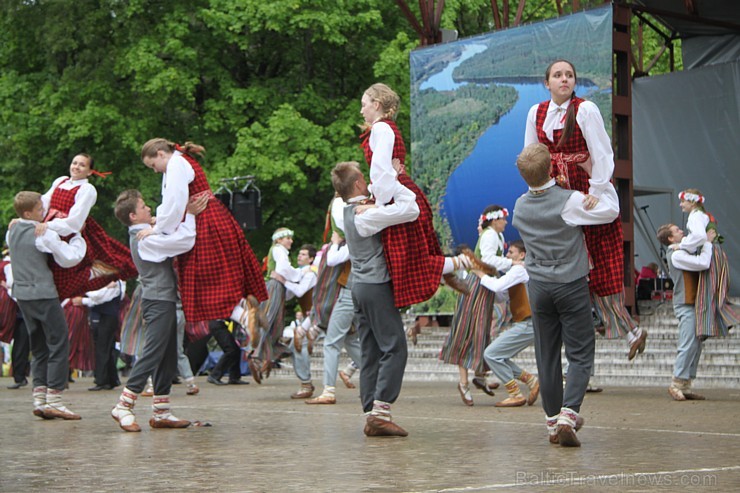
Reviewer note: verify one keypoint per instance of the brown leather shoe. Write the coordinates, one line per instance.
(304, 392)
(676, 393)
(465, 394)
(534, 392)
(377, 427)
(481, 383)
(567, 436)
(579, 424)
(456, 283)
(132, 428)
(38, 412)
(168, 423)
(511, 402)
(477, 264)
(254, 370)
(345, 378)
(322, 399)
(63, 413)
(636, 345)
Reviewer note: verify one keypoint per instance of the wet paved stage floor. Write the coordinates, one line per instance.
(261, 440)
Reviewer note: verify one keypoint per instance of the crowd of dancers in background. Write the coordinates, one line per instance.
(198, 277)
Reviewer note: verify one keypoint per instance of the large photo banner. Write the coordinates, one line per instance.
(469, 104)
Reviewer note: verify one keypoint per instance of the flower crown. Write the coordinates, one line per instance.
(281, 234)
(691, 197)
(493, 215)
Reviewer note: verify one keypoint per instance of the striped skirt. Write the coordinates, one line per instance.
(325, 293)
(81, 350)
(470, 332)
(132, 326)
(274, 309)
(615, 317)
(714, 315)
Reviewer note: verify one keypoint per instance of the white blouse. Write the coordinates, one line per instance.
(697, 231)
(175, 194)
(491, 243)
(382, 175)
(592, 126)
(85, 199)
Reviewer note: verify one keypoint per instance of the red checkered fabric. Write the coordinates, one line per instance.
(221, 269)
(412, 250)
(8, 309)
(605, 242)
(75, 281)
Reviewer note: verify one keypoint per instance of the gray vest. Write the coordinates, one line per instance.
(32, 278)
(365, 254)
(158, 281)
(556, 252)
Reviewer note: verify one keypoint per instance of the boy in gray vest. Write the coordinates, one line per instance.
(382, 337)
(33, 287)
(549, 220)
(684, 269)
(153, 258)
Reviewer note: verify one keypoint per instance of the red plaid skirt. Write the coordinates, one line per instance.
(605, 243)
(8, 311)
(75, 281)
(413, 254)
(220, 270)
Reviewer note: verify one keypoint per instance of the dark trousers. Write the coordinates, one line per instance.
(49, 335)
(21, 350)
(382, 341)
(159, 356)
(561, 313)
(104, 328)
(229, 361)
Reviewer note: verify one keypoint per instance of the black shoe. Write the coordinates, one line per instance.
(215, 381)
(18, 385)
(100, 387)
(176, 381)
(238, 382)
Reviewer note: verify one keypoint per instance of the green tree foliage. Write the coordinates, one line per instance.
(270, 89)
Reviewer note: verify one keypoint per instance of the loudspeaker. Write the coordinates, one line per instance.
(244, 206)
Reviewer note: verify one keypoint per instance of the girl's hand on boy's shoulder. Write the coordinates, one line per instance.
(144, 233)
(41, 229)
(362, 208)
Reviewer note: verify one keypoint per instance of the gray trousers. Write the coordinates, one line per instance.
(159, 356)
(337, 333)
(301, 361)
(49, 334)
(689, 346)
(511, 342)
(183, 363)
(561, 313)
(383, 343)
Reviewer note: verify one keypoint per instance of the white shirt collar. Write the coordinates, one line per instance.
(359, 198)
(138, 227)
(554, 107)
(27, 221)
(547, 185)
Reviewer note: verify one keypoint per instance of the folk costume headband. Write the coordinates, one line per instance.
(691, 197)
(281, 234)
(493, 215)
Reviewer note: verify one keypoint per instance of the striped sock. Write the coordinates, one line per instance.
(527, 378)
(513, 389)
(381, 410)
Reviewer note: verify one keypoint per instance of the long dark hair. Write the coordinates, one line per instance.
(570, 113)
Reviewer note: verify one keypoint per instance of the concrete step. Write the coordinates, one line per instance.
(719, 366)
